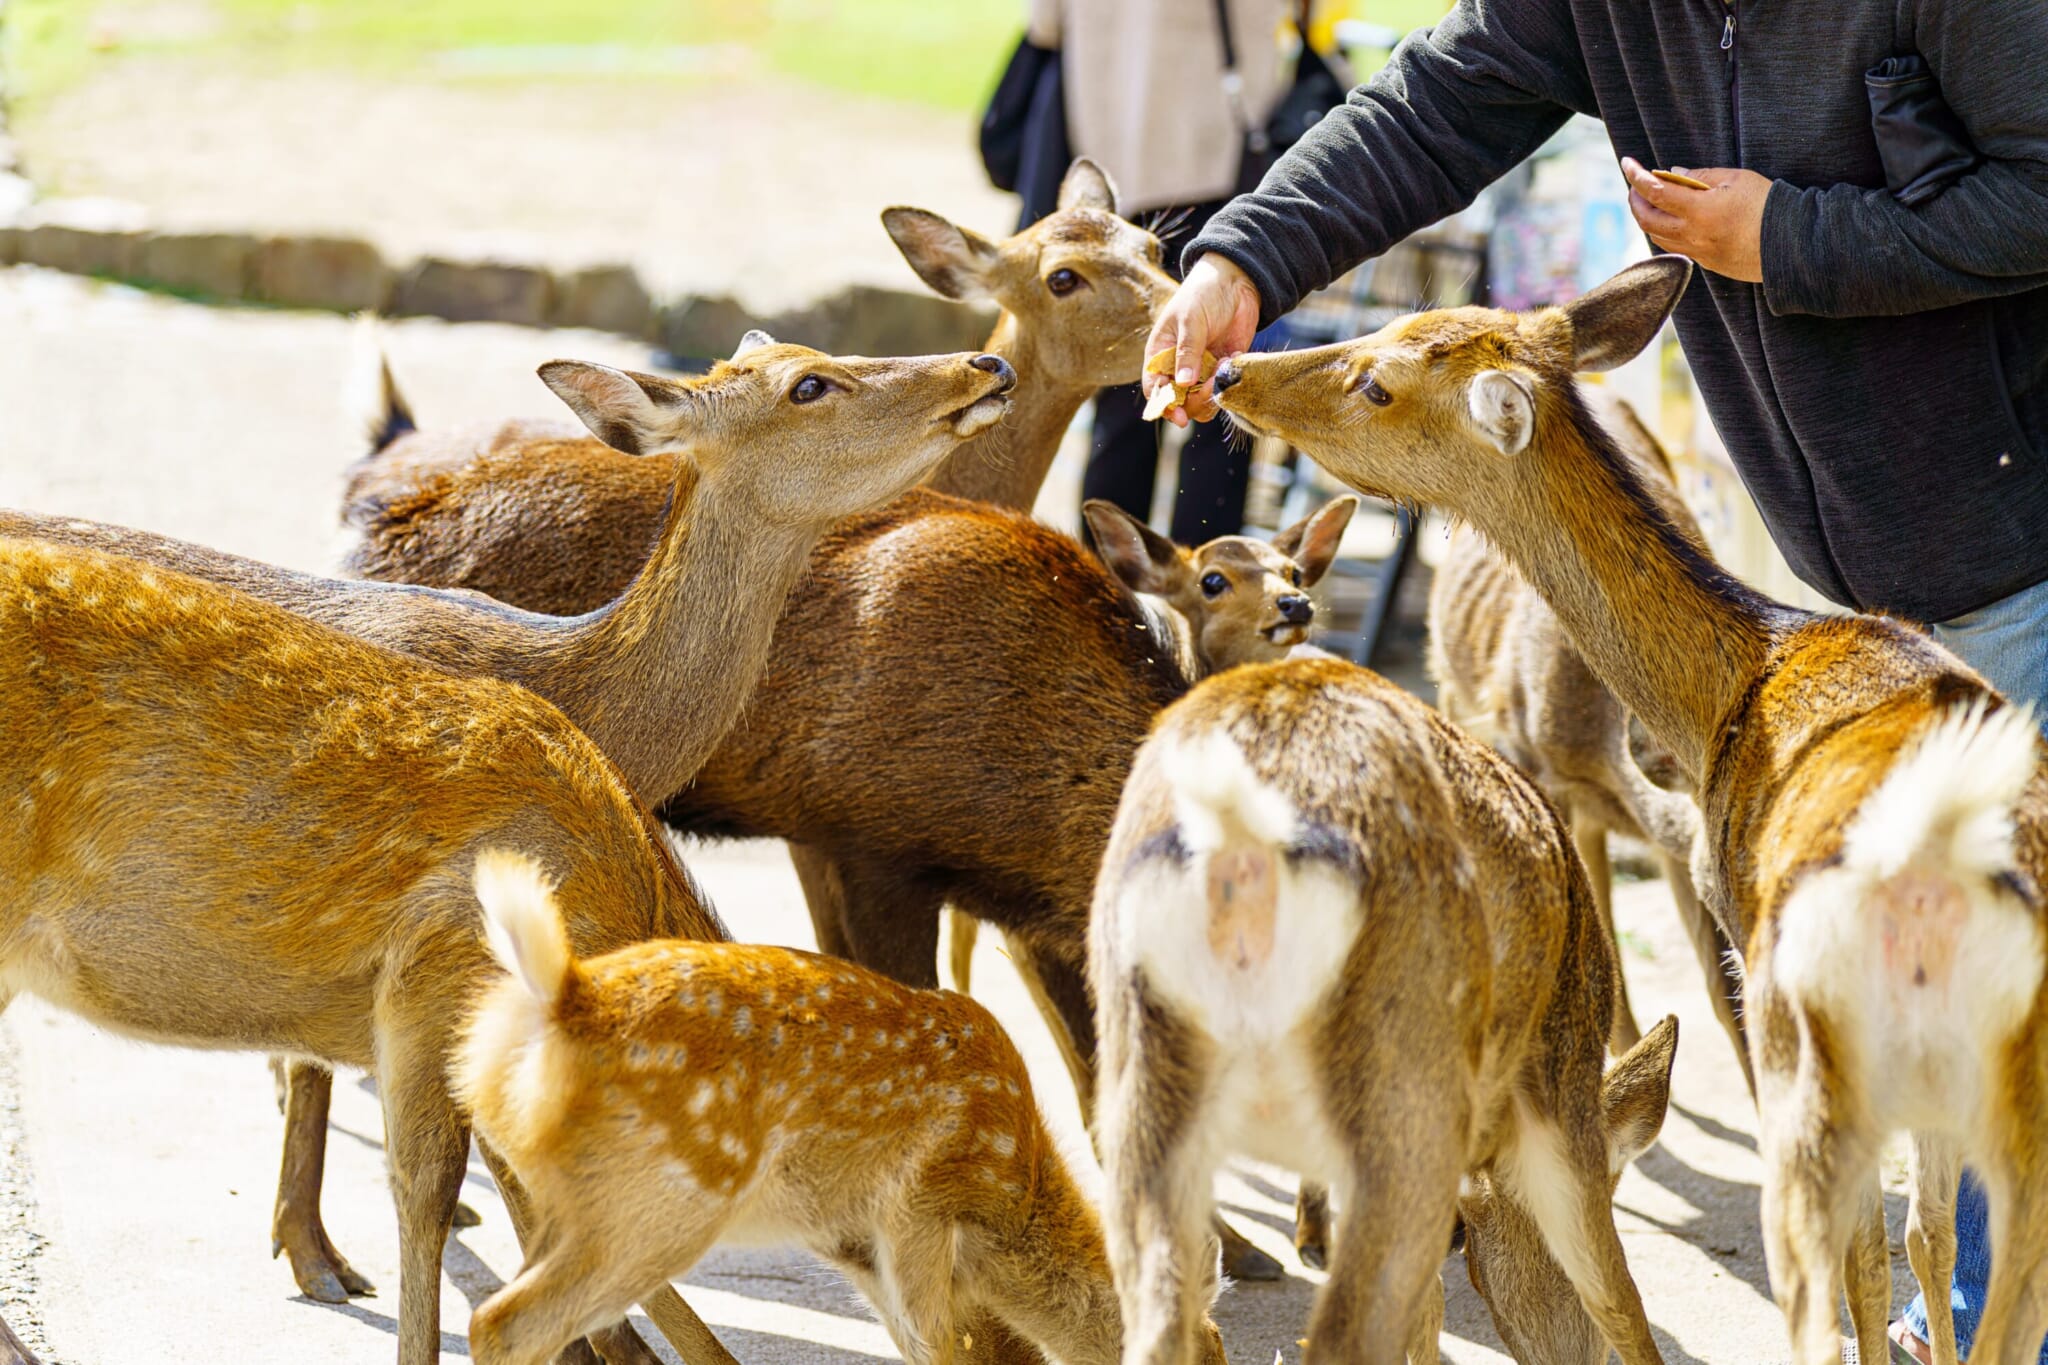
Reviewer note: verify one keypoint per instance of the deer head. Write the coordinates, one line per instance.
(807, 437)
(1245, 600)
(1437, 407)
(1079, 286)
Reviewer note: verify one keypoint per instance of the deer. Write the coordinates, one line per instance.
(1336, 932)
(1505, 669)
(897, 670)
(1244, 600)
(1874, 814)
(227, 826)
(753, 461)
(655, 1100)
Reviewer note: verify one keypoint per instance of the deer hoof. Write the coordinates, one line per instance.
(326, 1278)
(1314, 1254)
(1242, 1261)
(467, 1217)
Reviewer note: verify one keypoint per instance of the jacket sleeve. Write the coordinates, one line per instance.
(1847, 251)
(1455, 108)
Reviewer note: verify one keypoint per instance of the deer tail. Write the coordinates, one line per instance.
(522, 925)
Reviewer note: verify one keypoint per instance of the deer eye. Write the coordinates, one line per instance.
(1295, 577)
(1213, 584)
(1374, 394)
(810, 389)
(1062, 282)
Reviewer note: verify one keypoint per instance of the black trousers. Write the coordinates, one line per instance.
(1123, 460)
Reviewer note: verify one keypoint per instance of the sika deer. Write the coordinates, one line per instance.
(1875, 817)
(1505, 669)
(227, 826)
(934, 643)
(657, 1100)
(1243, 600)
(1335, 931)
(780, 442)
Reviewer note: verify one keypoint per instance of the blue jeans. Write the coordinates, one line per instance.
(2008, 643)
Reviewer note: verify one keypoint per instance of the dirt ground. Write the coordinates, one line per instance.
(754, 186)
(135, 1195)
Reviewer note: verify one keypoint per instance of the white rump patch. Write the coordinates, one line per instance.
(1217, 797)
(1911, 944)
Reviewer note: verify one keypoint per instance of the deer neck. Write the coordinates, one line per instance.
(1676, 638)
(659, 675)
(1006, 464)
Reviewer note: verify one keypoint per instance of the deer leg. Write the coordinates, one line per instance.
(1158, 1174)
(1561, 1177)
(1818, 1170)
(1867, 1277)
(575, 1289)
(1718, 960)
(1312, 1224)
(1931, 1237)
(617, 1343)
(295, 1226)
(914, 1289)
(427, 1141)
(966, 928)
(1429, 1323)
(1405, 1197)
(12, 1352)
(2016, 1301)
(1590, 839)
(824, 890)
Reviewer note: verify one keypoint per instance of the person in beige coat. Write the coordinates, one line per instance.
(1146, 100)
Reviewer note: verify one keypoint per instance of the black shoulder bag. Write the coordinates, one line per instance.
(1314, 92)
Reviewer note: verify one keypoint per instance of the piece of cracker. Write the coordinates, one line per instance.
(1674, 178)
(1171, 395)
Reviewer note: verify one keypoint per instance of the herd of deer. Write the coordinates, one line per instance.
(414, 822)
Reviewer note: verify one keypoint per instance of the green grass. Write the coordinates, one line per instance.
(941, 53)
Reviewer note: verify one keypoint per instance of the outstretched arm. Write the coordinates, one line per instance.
(1456, 107)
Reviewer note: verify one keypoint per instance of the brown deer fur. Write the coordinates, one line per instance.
(932, 643)
(1243, 599)
(1336, 932)
(657, 1100)
(657, 669)
(1506, 670)
(1876, 825)
(227, 826)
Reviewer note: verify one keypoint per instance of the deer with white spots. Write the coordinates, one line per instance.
(1337, 933)
(658, 1100)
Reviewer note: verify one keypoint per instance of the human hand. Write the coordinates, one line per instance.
(1721, 227)
(1216, 309)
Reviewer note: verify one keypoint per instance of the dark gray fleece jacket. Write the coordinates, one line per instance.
(1884, 391)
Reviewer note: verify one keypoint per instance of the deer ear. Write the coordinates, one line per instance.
(1613, 322)
(1087, 186)
(1139, 556)
(752, 339)
(1312, 542)
(1503, 407)
(950, 259)
(636, 413)
(1634, 1095)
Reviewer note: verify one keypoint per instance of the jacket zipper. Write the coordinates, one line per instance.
(1728, 36)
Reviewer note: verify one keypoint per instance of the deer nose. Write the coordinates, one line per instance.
(1226, 374)
(1006, 378)
(1297, 610)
